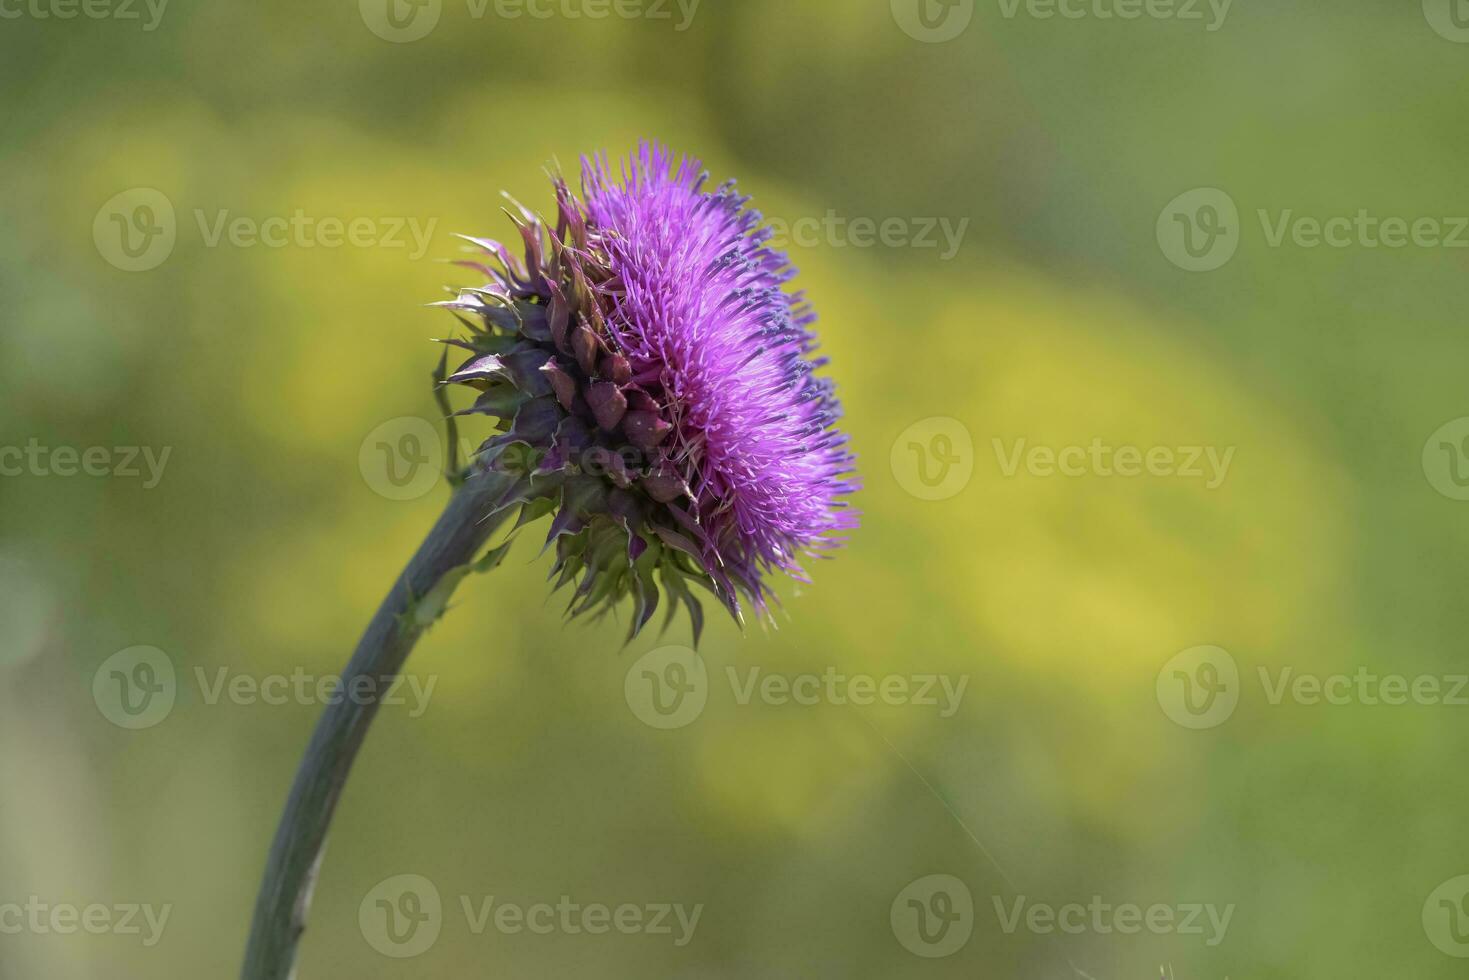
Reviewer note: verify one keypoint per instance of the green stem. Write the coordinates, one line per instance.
(295, 854)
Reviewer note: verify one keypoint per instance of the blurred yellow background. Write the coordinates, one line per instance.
(221, 149)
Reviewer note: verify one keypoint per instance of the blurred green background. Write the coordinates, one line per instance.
(1334, 543)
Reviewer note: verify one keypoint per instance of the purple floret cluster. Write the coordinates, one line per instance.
(651, 335)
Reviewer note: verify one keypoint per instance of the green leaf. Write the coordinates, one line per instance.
(493, 558)
(428, 610)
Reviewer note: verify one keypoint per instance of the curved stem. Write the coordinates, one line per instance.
(295, 854)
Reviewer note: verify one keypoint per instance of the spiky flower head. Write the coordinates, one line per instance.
(657, 391)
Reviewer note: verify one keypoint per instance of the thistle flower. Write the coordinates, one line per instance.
(655, 389)
(658, 391)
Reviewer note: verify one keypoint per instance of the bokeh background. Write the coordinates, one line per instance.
(1072, 770)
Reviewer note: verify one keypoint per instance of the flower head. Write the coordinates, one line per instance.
(658, 391)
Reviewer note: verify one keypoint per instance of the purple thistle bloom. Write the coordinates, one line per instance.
(658, 386)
